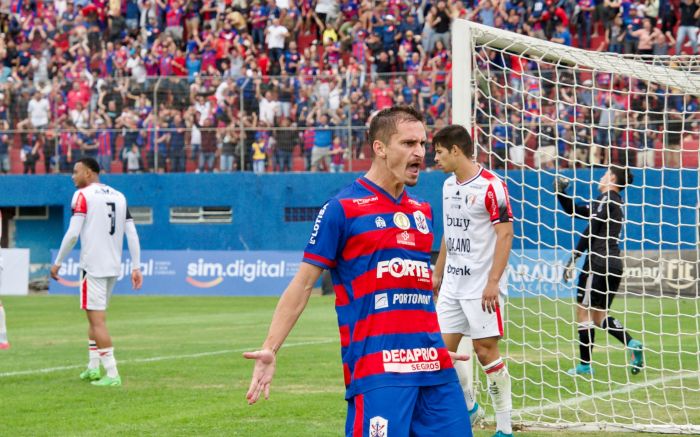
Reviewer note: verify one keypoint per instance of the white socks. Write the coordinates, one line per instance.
(3, 328)
(461, 368)
(108, 361)
(499, 389)
(94, 356)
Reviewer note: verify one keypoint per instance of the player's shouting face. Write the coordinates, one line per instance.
(404, 152)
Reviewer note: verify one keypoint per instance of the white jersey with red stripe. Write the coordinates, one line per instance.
(102, 234)
(471, 209)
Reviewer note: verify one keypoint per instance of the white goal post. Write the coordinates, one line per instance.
(539, 111)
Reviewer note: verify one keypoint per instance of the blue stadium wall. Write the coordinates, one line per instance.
(667, 207)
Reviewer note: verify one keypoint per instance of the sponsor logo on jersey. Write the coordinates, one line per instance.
(401, 221)
(406, 238)
(411, 360)
(492, 202)
(378, 427)
(459, 270)
(421, 222)
(399, 268)
(458, 222)
(381, 300)
(458, 245)
(410, 298)
(317, 224)
(365, 201)
(379, 223)
(414, 202)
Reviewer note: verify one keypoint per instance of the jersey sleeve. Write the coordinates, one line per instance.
(79, 203)
(497, 203)
(326, 236)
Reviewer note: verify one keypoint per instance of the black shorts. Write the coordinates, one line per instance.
(597, 285)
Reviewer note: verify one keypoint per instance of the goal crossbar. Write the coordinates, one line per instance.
(554, 53)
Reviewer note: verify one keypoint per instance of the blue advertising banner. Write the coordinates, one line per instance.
(195, 273)
(531, 273)
(534, 273)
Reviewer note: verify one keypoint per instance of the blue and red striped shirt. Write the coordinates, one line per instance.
(378, 251)
(104, 143)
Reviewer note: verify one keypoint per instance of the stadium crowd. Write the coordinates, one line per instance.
(176, 85)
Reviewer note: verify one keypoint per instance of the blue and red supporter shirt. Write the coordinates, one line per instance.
(378, 251)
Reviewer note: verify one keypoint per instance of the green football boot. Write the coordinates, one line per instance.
(106, 381)
(90, 374)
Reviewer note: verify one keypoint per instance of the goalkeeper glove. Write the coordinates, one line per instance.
(570, 270)
(561, 184)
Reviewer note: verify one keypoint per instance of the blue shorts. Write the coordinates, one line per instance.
(437, 410)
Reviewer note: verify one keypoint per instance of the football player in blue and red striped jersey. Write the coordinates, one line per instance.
(376, 241)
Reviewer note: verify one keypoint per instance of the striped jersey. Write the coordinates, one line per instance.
(378, 251)
(470, 211)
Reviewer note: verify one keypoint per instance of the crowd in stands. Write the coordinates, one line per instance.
(225, 85)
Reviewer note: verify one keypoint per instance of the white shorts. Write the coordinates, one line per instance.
(95, 292)
(465, 316)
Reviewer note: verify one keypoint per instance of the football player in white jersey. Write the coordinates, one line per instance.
(4, 344)
(100, 219)
(469, 273)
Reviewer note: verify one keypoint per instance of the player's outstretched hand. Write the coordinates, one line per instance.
(570, 270)
(263, 372)
(136, 279)
(561, 184)
(54, 272)
(458, 357)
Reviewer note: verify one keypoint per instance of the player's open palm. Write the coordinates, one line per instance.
(263, 372)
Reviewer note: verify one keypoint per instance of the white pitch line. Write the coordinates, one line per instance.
(627, 389)
(153, 359)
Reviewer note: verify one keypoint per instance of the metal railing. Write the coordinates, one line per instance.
(347, 100)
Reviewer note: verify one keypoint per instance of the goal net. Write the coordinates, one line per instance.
(539, 111)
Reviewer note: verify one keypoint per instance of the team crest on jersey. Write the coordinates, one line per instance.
(470, 200)
(421, 222)
(378, 427)
(401, 221)
(379, 223)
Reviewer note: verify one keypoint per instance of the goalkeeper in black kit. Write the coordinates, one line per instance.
(602, 269)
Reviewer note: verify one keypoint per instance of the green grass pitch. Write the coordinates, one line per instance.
(180, 359)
